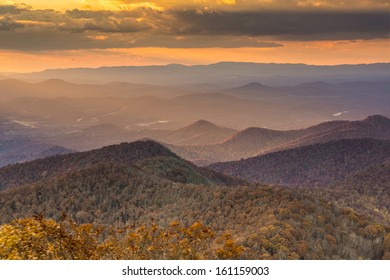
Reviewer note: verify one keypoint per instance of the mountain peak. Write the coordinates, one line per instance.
(203, 123)
(201, 132)
(251, 135)
(138, 150)
(253, 86)
(200, 124)
(122, 154)
(377, 119)
(147, 156)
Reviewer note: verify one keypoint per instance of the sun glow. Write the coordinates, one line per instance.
(340, 52)
(41, 34)
(116, 5)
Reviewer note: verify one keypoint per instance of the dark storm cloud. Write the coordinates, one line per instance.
(285, 25)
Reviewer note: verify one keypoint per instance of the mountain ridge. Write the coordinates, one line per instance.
(316, 165)
(201, 132)
(258, 141)
(218, 72)
(129, 154)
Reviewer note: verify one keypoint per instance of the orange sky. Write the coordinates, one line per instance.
(39, 34)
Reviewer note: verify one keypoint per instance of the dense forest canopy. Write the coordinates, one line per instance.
(133, 198)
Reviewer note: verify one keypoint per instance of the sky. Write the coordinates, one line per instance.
(37, 35)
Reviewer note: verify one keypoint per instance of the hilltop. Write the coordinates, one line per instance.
(200, 132)
(153, 157)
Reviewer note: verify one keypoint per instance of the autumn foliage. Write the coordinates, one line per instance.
(165, 208)
(45, 239)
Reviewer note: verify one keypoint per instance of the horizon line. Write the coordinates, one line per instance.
(197, 65)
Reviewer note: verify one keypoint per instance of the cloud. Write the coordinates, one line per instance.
(346, 5)
(199, 41)
(284, 25)
(241, 5)
(173, 4)
(45, 40)
(25, 28)
(12, 9)
(8, 24)
(54, 40)
(109, 24)
(255, 4)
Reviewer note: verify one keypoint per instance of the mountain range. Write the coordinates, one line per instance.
(224, 74)
(201, 142)
(229, 160)
(51, 88)
(56, 104)
(256, 141)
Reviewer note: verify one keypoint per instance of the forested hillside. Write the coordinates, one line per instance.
(268, 222)
(126, 153)
(317, 165)
(149, 188)
(367, 191)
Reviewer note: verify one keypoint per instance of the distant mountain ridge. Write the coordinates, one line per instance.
(316, 165)
(55, 103)
(201, 142)
(54, 87)
(257, 141)
(22, 149)
(254, 87)
(255, 90)
(200, 132)
(219, 73)
(376, 126)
